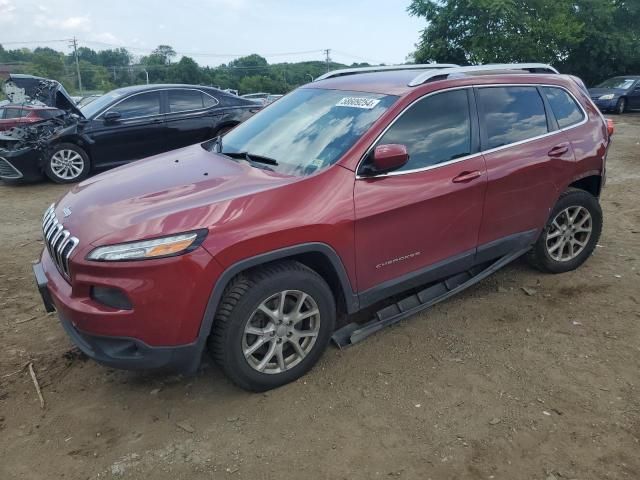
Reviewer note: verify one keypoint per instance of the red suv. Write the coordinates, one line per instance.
(21, 115)
(391, 188)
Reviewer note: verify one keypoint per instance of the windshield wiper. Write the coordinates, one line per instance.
(251, 157)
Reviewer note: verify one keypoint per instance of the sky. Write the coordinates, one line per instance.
(216, 31)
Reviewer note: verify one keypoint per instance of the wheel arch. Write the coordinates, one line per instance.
(320, 257)
(590, 183)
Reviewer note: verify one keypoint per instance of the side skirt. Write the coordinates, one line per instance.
(353, 333)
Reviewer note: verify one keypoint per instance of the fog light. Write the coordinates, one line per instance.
(111, 297)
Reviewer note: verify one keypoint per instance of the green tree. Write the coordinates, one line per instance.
(590, 38)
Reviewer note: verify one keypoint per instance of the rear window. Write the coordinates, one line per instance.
(511, 114)
(565, 108)
(185, 100)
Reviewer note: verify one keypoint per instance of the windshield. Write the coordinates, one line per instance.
(622, 83)
(99, 103)
(307, 130)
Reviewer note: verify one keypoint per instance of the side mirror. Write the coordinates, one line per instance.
(387, 158)
(111, 117)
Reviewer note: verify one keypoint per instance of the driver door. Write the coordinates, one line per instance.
(138, 133)
(421, 222)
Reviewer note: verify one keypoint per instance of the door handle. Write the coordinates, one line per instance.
(558, 150)
(467, 176)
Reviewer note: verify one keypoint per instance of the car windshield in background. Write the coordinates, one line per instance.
(308, 129)
(99, 103)
(622, 83)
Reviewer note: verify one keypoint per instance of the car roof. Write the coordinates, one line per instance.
(159, 86)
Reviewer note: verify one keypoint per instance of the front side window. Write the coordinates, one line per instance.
(306, 130)
(141, 105)
(185, 100)
(435, 130)
(564, 107)
(511, 114)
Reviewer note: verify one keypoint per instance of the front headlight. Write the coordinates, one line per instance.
(155, 248)
(608, 96)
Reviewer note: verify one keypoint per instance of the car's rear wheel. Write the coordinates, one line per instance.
(272, 325)
(621, 106)
(571, 234)
(67, 163)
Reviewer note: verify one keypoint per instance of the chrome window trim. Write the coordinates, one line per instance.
(101, 114)
(585, 119)
(2, 159)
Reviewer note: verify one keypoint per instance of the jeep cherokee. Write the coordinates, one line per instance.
(400, 184)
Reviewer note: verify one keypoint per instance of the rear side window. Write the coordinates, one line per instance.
(47, 114)
(141, 105)
(13, 113)
(564, 107)
(511, 114)
(185, 100)
(209, 101)
(437, 129)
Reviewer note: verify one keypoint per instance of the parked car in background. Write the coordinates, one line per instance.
(121, 126)
(260, 97)
(617, 94)
(403, 187)
(272, 98)
(22, 115)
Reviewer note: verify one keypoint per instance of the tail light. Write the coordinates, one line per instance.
(610, 127)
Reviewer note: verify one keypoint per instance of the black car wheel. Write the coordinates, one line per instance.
(571, 234)
(67, 163)
(621, 106)
(272, 325)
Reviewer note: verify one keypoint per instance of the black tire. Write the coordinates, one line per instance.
(621, 106)
(241, 299)
(542, 259)
(54, 171)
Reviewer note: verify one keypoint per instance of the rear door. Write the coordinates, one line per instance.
(421, 222)
(191, 118)
(527, 158)
(139, 133)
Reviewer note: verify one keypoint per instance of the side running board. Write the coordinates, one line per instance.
(354, 332)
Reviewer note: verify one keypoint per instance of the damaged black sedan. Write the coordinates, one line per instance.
(121, 126)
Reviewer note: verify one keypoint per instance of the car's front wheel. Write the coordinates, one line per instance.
(67, 163)
(272, 325)
(571, 234)
(621, 106)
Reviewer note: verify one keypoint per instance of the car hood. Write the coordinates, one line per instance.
(598, 92)
(28, 88)
(174, 192)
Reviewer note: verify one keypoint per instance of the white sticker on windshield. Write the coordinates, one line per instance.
(358, 102)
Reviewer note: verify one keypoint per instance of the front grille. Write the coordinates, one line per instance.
(8, 171)
(59, 241)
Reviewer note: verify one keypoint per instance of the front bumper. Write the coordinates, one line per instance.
(20, 165)
(118, 338)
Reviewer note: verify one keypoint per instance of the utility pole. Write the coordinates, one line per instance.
(327, 52)
(74, 44)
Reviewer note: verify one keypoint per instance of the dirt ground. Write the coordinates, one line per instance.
(495, 383)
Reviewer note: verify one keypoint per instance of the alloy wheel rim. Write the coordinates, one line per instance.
(281, 332)
(569, 233)
(67, 164)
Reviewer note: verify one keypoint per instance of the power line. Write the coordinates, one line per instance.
(35, 42)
